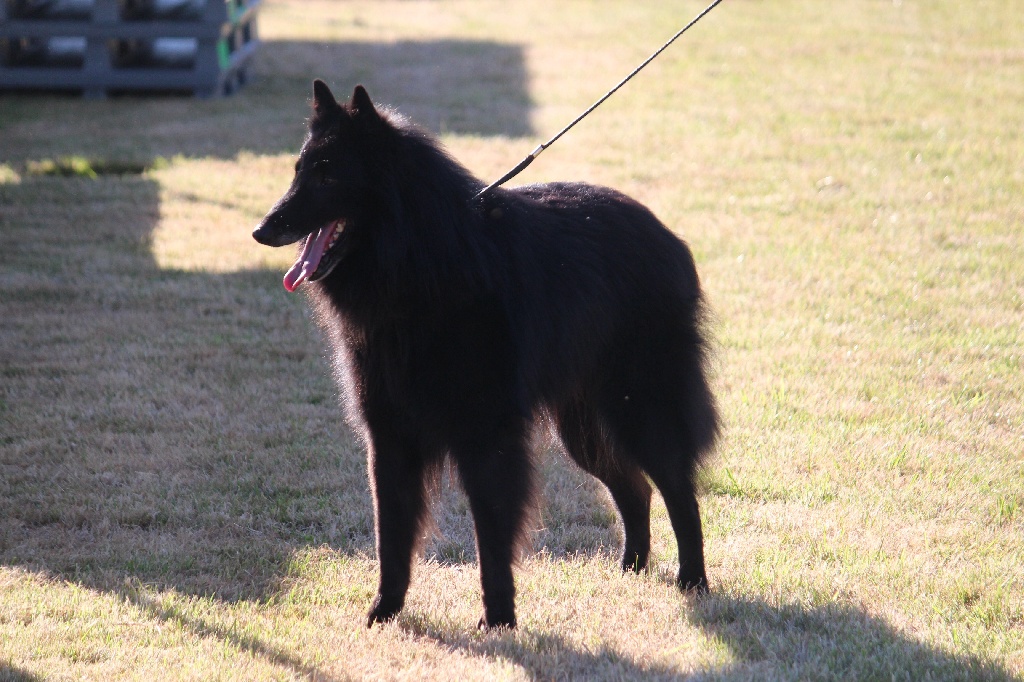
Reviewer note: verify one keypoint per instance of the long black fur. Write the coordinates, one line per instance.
(456, 322)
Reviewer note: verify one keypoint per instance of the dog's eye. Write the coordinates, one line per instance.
(322, 172)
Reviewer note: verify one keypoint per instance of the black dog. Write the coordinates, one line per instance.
(457, 321)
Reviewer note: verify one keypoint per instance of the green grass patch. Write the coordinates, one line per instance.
(78, 166)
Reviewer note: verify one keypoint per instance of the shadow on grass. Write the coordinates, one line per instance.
(180, 428)
(763, 642)
(468, 87)
(176, 428)
(9, 673)
(243, 642)
(792, 641)
(542, 656)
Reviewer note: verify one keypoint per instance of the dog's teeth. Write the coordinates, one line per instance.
(338, 229)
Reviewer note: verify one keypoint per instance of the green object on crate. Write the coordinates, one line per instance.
(223, 53)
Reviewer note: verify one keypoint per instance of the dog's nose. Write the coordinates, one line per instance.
(274, 230)
(264, 235)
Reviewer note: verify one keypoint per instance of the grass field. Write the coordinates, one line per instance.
(180, 499)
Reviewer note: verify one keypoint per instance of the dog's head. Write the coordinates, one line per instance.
(330, 187)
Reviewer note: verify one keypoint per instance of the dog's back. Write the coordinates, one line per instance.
(604, 287)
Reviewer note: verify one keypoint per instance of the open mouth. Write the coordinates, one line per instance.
(318, 244)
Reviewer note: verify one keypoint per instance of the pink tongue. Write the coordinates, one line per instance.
(309, 259)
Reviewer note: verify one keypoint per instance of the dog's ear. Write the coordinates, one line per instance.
(361, 107)
(324, 103)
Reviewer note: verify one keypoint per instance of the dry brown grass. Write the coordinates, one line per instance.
(180, 500)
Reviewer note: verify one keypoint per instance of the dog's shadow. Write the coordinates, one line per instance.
(760, 641)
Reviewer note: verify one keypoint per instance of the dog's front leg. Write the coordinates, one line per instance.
(397, 480)
(498, 478)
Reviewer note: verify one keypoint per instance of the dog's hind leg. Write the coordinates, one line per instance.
(655, 430)
(661, 414)
(681, 501)
(650, 433)
(582, 436)
(397, 477)
(498, 479)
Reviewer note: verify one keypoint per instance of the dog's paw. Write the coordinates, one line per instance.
(633, 562)
(693, 586)
(494, 622)
(383, 611)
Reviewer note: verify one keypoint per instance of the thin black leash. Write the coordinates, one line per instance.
(536, 152)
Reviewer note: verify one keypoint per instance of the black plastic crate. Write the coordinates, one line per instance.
(102, 47)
